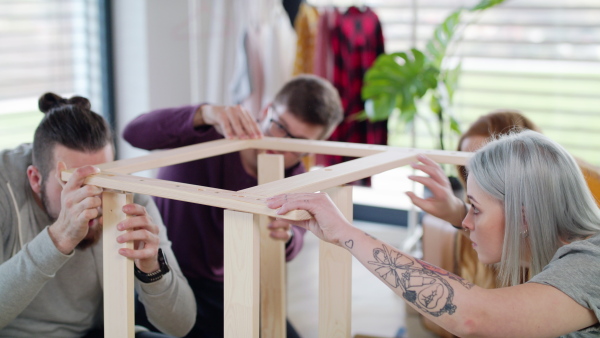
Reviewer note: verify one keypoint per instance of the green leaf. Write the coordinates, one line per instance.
(442, 36)
(450, 80)
(380, 108)
(360, 116)
(434, 105)
(408, 114)
(454, 125)
(485, 4)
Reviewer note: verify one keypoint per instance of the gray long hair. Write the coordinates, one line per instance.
(546, 199)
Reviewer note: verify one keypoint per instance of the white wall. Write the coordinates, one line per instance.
(155, 42)
(151, 59)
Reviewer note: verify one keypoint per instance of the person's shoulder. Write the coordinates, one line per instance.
(14, 163)
(586, 249)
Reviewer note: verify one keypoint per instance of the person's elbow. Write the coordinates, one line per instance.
(185, 323)
(474, 325)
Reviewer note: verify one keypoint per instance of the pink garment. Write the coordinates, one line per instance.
(255, 62)
(323, 62)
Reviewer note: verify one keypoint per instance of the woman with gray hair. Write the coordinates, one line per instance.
(531, 214)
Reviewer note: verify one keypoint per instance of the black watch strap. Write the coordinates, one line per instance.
(163, 268)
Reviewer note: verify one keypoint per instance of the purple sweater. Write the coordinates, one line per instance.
(196, 230)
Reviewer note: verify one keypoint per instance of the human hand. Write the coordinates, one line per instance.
(327, 223)
(280, 230)
(80, 209)
(233, 122)
(442, 204)
(144, 234)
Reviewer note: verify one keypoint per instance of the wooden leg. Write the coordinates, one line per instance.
(241, 265)
(335, 277)
(118, 270)
(272, 260)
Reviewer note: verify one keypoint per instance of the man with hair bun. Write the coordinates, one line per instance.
(50, 233)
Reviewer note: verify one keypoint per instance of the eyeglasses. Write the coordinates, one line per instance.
(279, 130)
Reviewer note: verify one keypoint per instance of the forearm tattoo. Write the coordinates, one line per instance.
(423, 285)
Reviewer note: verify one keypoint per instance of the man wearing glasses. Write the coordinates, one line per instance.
(307, 107)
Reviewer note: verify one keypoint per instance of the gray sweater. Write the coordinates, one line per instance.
(45, 293)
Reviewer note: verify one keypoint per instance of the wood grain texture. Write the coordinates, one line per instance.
(335, 277)
(241, 274)
(317, 147)
(187, 192)
(118, 270)
(272, 259)
(163, 158)
(334, 175)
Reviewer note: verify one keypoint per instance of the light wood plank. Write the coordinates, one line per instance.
(187, 192)
(163, 158)
(335, 175)
(241, 275)
(218, 147)
(118, 270)
(353, 149)
(272, 259)
(317, 147)
(335, 277)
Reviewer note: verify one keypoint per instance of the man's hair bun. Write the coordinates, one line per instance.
(50, 101)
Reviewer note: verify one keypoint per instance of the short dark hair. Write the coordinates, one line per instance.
(313, 100)
(68, 122)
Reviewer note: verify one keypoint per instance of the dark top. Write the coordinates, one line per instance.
(196, 230)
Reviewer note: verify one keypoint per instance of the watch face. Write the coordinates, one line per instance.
(162, 262)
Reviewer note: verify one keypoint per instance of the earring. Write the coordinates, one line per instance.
(465, 229)
(525, 233)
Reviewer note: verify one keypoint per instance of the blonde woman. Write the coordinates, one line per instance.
(531, 213)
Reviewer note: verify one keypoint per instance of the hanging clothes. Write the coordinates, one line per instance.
(306, 30)
(323, 55)
(247, 83)
(279, 42)
(356, 41)
(265, 59)
(241, 84)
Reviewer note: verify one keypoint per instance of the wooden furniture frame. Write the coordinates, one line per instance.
(245, 251)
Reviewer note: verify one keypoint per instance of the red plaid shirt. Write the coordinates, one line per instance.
(356, 41)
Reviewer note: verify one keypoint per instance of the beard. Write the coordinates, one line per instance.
(94, 232)
(52, 214)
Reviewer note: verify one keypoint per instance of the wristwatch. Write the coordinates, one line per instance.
(163, 268)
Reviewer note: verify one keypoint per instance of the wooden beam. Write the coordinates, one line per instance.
(335, 277)
(317, 147)
(335, 175)
(241, 275)
(187, 192)
(272, 259)
(163, 158)
(117, 270)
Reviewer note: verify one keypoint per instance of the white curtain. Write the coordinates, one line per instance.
(216, 29)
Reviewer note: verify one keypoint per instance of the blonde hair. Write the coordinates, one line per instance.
(545, 197)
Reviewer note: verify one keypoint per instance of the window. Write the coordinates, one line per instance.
(47, 45)
(539, 56)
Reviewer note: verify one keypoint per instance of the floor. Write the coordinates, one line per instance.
(376, 310)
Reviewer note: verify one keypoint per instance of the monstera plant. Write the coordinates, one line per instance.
(397, 83)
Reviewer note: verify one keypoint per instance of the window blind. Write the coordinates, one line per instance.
(47, 45)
